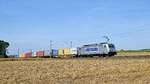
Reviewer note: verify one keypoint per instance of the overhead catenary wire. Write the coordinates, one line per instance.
(51, 45)
(128, 34)
(71, 44)
(18, 52)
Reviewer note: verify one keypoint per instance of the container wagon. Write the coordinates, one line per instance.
(63, 52)
(40, 54)
(73, 52)
(33, 54)
(28, 55)
(47, 53)
(54, 53)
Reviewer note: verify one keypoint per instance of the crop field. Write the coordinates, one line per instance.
(133, 53)
(114, 70)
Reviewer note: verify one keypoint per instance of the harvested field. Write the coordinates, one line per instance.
(115, 70)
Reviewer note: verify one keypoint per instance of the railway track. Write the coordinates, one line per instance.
(79, 58)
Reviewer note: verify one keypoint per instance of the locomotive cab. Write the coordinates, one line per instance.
(110, 49)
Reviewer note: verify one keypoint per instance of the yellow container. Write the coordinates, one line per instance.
(60, 52)
(63, 52)
(67, 51)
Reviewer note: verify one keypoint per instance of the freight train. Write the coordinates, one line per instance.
(90, 50)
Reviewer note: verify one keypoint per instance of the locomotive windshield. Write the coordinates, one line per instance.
(111, 46)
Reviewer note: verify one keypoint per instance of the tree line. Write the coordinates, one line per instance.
(3, 49)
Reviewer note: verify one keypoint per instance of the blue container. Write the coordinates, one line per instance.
(55, 53)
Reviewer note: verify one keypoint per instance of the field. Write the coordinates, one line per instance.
(114, 70)
(134, 53)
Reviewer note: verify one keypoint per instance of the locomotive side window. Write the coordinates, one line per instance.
(104, 46)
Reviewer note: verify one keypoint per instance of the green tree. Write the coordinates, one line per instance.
(3, 48)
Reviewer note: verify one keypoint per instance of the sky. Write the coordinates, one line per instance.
(31, 24)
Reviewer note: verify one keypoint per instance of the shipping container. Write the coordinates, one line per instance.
(63, 52)
(47, 53)
(40, 53)
(60, 52)
(54, 53)
(74, 51)
(28, 55)
(67, 51)
(33, 54)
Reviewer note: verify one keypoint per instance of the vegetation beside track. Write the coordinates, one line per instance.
(133, 52)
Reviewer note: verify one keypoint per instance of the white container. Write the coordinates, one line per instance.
(73, 51)
(33, 54)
